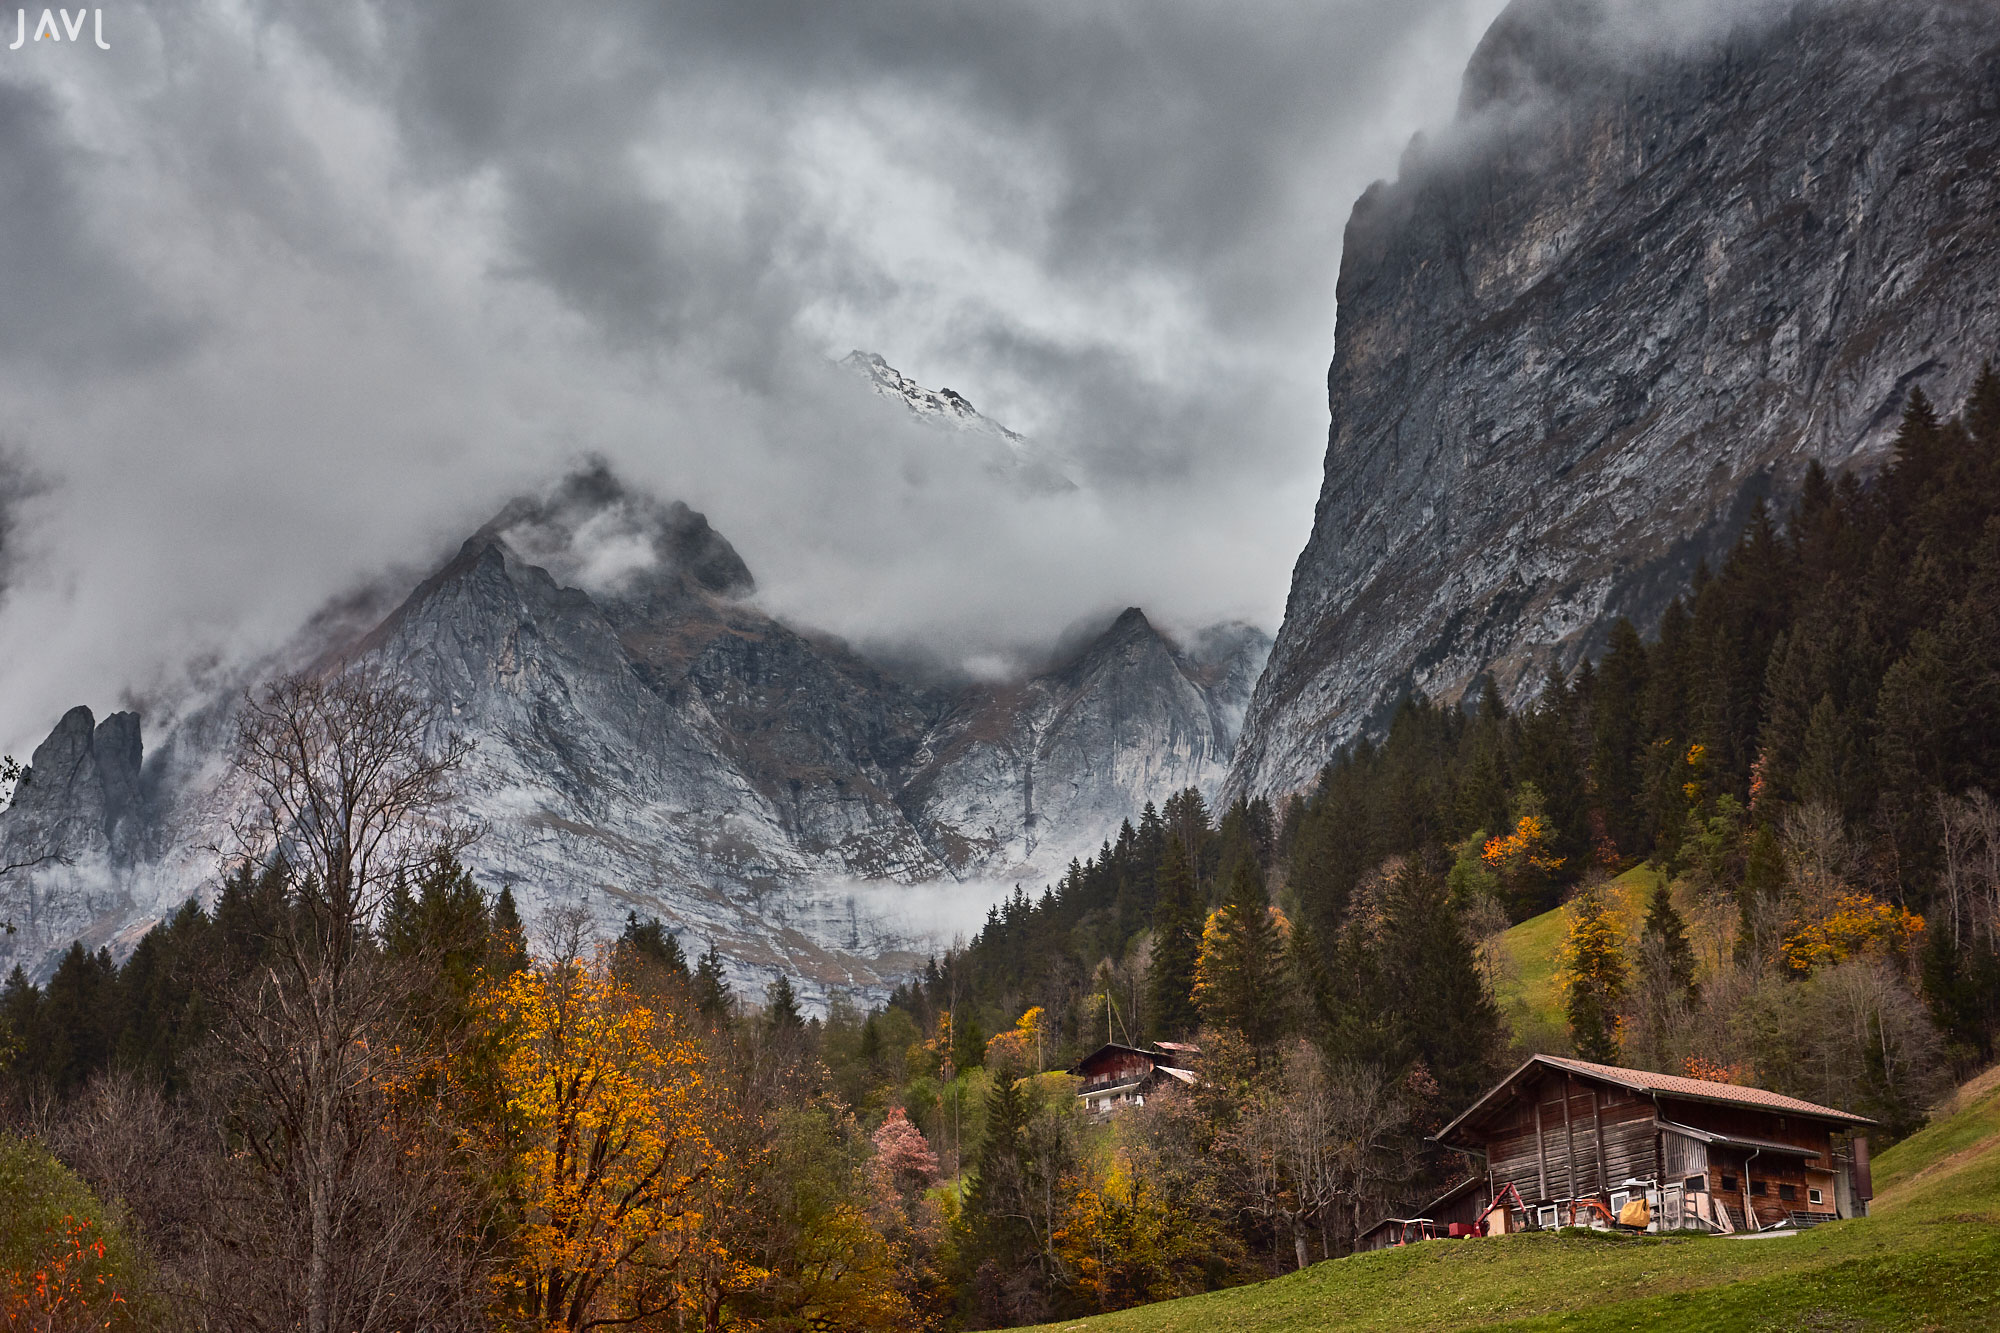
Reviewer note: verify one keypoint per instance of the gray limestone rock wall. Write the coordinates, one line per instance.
(1632, 294)
(661, 745)
(76, 824)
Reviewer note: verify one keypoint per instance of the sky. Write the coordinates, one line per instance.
(294, 296)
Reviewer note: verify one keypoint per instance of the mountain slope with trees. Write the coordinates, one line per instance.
(1665, 258)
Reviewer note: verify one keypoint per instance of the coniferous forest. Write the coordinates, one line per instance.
(357, 1091)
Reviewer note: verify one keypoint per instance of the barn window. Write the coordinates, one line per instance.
(1695, 1184)
(1787, 1193)
(1729, 1183)
(1814, 1196)
(1758, 1186)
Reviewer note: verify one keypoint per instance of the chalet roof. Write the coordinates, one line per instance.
(1665, 1085)
(1163, 1056)
(1111, 1048)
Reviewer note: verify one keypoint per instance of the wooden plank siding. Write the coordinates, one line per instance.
(1752, 1125)
(1590, 1140)
(1774, 1171)
(1117, 1067)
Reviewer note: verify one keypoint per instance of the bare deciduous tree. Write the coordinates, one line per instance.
(350, 792)
(349, 788)
(1970, 842)
(1819, 856)
(1316, 1138)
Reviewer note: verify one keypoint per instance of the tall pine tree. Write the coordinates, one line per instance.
(1241, 978)
(1177, 924)
(1439, 1007)
(712, 996)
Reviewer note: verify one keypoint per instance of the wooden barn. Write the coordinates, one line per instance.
(1562, 1142)
(1117, 1076)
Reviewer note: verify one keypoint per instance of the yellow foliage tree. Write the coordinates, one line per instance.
(1019, 1048)
(605, 1120)
(1592, 974)
(1122, 1242)
(1855, 923)
(1524, 860)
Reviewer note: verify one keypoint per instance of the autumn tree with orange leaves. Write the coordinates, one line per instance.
(606, 1127)
(1525, 860)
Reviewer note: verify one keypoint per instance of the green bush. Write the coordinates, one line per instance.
(65, 1262)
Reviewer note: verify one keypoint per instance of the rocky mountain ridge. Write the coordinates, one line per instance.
(1633, 293)
(648, 739)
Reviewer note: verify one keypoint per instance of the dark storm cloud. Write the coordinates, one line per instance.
(332, 280)
(67, 301)
(1201, 143)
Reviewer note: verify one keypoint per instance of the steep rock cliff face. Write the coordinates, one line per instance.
(1636, 290)
(77, 810)
(1014, 773)
(647, 739)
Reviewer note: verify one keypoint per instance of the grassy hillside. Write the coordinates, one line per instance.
(1928, 1258)
(1524, 980)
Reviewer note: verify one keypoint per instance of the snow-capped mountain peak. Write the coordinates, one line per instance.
(946, 407)
(1010, 456)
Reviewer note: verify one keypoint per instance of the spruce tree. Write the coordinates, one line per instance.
(1663, 990)
(1241, 979)
(1982, 408)
(445, 930)
(1617, 720)
(968, 1041)
(507, 949)
(1438, 1005)
(73, 1012)
(1829, 758)
(1552, 762)
(160, 1009)
(1177, 923)
(1482, 790)
(648, 955)
(398, 929)
(21, 1030)
(781, 1007)
(1665, 925)
(995, 1211)
(711, 987)
(1918, 455)
(249, 912)
(1186, 819)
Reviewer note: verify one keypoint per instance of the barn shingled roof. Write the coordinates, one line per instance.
(1665, 1085)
